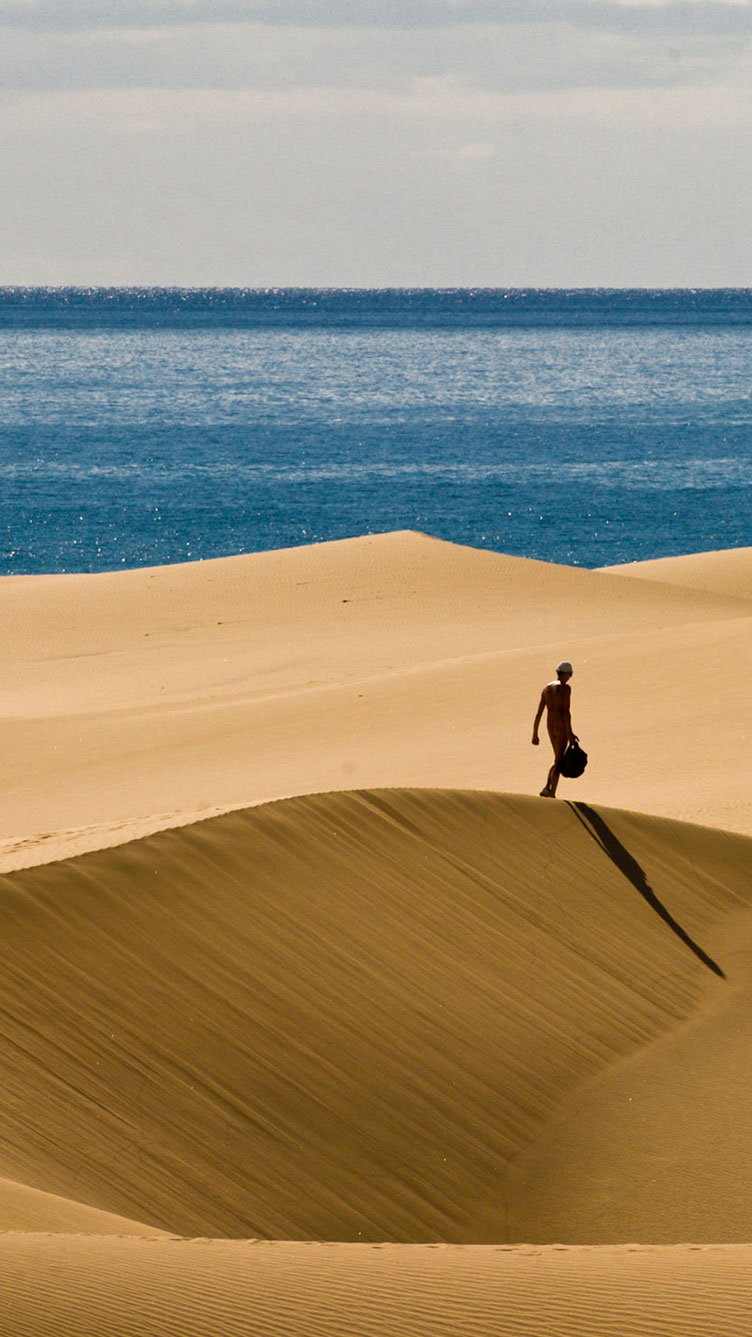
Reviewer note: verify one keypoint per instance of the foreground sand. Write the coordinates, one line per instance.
(459, 1026)
(199, 1287)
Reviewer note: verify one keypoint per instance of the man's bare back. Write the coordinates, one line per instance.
(555, 700)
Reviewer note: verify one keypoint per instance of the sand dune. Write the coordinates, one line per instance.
(372, 1001)
(23, 1208)
(727, 572)
(352, 1016)
(232, 1288)
(138, 699)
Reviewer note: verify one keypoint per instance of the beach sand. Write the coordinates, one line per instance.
(315, 1018)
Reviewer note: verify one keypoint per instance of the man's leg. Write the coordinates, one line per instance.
(559, 745)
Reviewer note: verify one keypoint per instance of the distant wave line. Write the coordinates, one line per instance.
(700, 474)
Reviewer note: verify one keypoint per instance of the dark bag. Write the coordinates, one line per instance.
(574, 761)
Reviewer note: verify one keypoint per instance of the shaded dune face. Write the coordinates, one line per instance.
(351, 1016)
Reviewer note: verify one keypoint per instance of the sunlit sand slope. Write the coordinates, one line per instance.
(76, 1287)
(26, 1208)
(726, 572)
(353, 1016)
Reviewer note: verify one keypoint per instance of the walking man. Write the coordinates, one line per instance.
(555, 699)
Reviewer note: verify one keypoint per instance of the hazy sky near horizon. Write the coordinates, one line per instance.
(376, 142)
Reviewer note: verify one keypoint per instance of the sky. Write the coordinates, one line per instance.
(376, 143)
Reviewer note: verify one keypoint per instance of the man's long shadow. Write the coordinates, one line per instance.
(608, 842)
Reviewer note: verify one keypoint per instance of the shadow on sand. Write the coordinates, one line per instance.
(619, 855)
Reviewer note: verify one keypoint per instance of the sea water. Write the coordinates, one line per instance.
(143, 426)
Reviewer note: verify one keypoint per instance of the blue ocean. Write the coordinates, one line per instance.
(145, 426)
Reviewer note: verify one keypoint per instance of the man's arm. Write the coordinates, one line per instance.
(536, 722)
